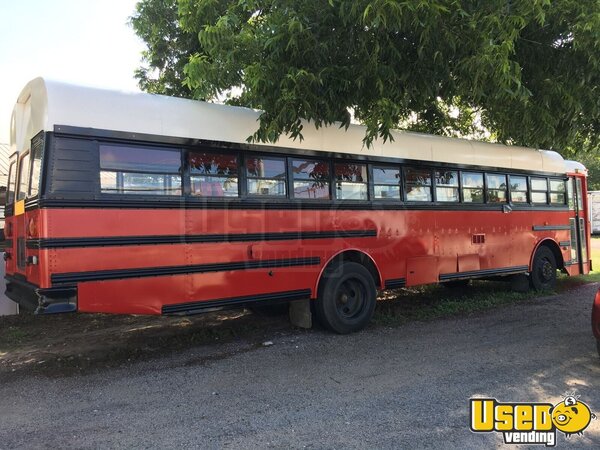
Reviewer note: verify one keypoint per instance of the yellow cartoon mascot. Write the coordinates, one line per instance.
(572, 416)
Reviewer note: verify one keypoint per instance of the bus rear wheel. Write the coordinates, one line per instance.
(347, 298)
(543, 270)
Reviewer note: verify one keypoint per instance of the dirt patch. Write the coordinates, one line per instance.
(62, 344)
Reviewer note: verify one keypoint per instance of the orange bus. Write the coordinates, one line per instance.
(145, 204)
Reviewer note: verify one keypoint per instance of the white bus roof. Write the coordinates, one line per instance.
(43, 104)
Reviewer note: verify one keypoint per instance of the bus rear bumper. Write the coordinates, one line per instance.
(39, 300)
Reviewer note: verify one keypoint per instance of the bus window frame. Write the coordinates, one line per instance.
(22, 156)
(527, 190)
(291, 179)
(243, 170)
(431, 185)
(434, 185)
(186, 174)
(372, 184)
(334, 181)
(12, 169)
(550, 192)
(42, 148)
(532, 191)
(483, 174)
(488, 189)
(183, 170)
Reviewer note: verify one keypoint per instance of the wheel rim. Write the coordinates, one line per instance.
(350, 300)
(546, 270)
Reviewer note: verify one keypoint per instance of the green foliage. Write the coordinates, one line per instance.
(527, 71)
(591, 160)
(169, 47)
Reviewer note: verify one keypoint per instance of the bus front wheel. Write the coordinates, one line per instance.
(347, 298)
(543, 270)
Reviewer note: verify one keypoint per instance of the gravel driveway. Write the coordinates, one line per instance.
(403, 387)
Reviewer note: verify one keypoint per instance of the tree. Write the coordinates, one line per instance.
(526, 71)
(169, 48)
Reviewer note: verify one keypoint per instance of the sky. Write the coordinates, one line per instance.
(87, 42)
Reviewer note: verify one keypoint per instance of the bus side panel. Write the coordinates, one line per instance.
(447, 237)
(148, 295)
(92, 223)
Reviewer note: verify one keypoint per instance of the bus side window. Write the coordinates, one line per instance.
(570, 194)
(23, 176)
(418, 184)
(446, 186)
(139, 170)
(351, 181)
(266, 175)
(472, 183)
(213, 174)
(496, 188)
(310, 178)
(557, 192)
(539, 191)
(579, 194)
(37, 150)
(12, 175)
(386, 182)
(518, 189)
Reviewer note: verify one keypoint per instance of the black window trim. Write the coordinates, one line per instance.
(12, 166)
(435, 186)
(186, 182)
(21, 157)
(532, 191)
(484, 187)
(148, 147)
(550, 192)
(334, 182)
(405, 184)
(285, 179)
(488, 189)
(291, 178)
(243, 154)
(510, 190)
(372, 183)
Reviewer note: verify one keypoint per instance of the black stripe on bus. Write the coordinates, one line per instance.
(178, 203)
(194, 239)
(551, 227)
(234, 302)
(565, 243)
(395, 283)
(483, 273)
(118, 274)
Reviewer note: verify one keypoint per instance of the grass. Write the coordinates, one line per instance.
(433, 302)
(436, 301)
(12, 335)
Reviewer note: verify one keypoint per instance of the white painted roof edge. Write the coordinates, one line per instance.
(575, 167)
(43, 104)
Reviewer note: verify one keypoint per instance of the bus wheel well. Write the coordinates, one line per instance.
(553, 246)
(357, 257)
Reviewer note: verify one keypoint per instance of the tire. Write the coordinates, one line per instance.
(346, 299)
(598, 346)
(543, 271)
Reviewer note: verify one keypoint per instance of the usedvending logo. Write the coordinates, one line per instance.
(530, 423)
